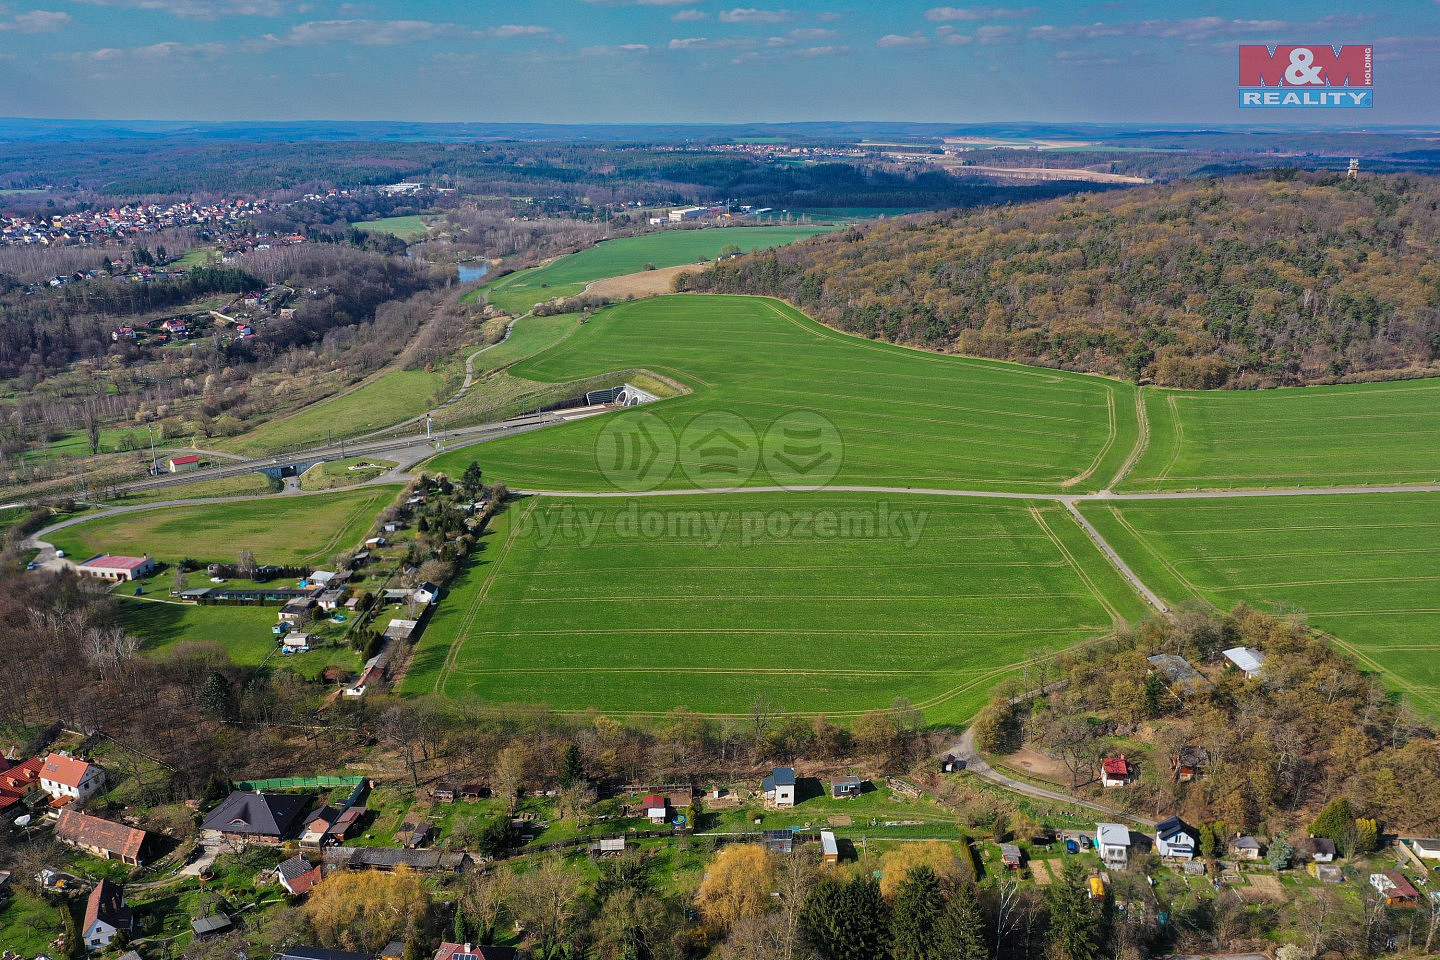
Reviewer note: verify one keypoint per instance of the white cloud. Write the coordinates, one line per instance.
(980, 13)
(820, 33)
(36, 21)
(902, 40)
(800, 35)
(166, 50)
(509, 30)
(365, 33)
(690, 16)
(203, 9)
(1075, 58)
(611, 50)
(753, 15)
(386, 33)
(992, 35)
(639, 3)
(1189, 29)
(685, 43)
(785, 52)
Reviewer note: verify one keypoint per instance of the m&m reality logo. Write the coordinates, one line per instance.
(1313, 75)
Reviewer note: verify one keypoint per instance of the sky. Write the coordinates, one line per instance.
(587, 61)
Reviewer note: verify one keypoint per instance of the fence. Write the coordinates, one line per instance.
(290, 783)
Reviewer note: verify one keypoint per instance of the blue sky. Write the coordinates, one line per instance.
(686, 60)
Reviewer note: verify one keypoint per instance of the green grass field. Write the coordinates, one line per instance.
(282, 530)
(1363, 568)
(406, 228)
(827, 603)
(528, 337)
(244, 632)
(905, 417)
(567, 276)
(249, 484)
(27, 923)
(339, 473)
(1293, 437)
(389, 398)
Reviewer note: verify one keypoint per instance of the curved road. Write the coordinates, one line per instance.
(964, 749)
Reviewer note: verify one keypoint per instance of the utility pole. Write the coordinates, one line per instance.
(154, 464)
(429, 426)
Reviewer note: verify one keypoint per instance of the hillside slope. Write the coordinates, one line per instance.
(1283, 278)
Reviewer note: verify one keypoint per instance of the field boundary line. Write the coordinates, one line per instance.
(1110, 438)
(1100, 598)
(472, 612)
(1142, 440)
(1164, 562)
(334, 540)
(1164, 473)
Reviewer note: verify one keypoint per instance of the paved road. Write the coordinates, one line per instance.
(1065, 498)
(1115, 559)
(406, 449)
(964, 749)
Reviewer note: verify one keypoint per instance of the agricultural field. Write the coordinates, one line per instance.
(1342, 435)
(280, 530)
(567, 276)
(827, 603)
(406, 228)
(897, 417)
(1364, 568)
(374, 405)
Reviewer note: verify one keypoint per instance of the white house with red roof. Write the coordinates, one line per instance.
(104, 566)
(184, 464)
(68, 779)
(1116, 771)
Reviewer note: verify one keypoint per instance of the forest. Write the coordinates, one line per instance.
(1315, 730)
(1258, 280)
(96, 172)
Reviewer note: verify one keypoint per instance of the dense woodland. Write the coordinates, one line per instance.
(1312, 729)
(1260, 280)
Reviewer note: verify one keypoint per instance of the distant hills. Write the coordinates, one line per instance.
(1260, 280)
(1250, 138)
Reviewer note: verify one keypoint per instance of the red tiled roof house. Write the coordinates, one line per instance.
(68, 779)
(1116, 771)
(101, 838)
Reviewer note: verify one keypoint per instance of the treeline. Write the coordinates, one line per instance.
(1261, 280)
